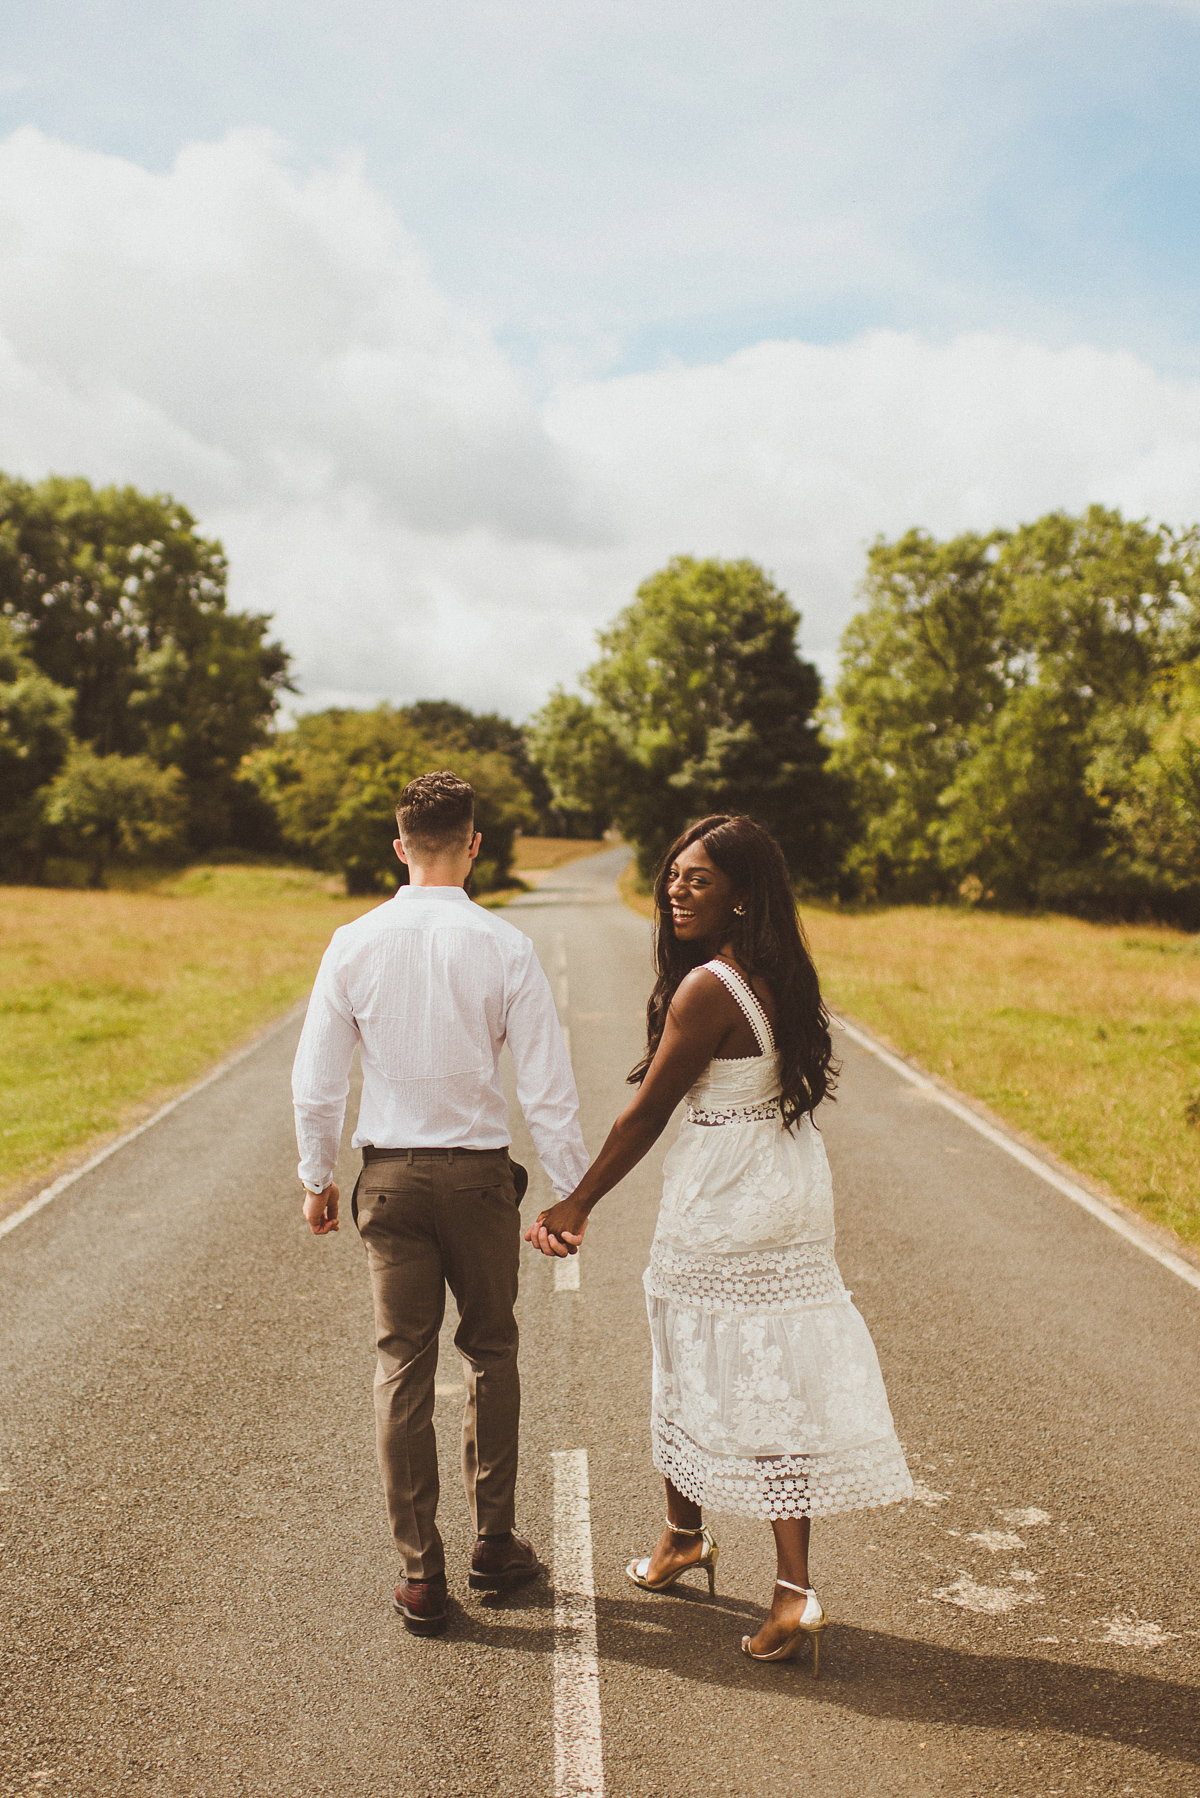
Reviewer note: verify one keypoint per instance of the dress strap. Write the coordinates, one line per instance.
(748, 1000)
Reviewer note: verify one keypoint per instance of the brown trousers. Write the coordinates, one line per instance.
(432, 1218)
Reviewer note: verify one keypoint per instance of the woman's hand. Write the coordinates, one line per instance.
(559, 1231)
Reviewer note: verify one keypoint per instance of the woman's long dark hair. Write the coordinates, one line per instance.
(768, 942)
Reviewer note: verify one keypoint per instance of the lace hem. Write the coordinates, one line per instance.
(760, 1113)
(848, 1479)
(782, 1280)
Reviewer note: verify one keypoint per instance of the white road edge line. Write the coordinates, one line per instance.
(1077, 1194)
(578, 1750)
(65, 1180)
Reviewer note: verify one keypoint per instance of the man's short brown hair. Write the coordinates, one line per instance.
(436, 812)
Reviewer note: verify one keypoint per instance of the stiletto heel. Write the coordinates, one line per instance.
(813, 1623)
(637, 1570)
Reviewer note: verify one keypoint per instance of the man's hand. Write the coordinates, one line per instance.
(321, 1210)
(559, 1231)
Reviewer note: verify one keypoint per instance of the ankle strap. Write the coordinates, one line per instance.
(787, 1582)
(678, 1529)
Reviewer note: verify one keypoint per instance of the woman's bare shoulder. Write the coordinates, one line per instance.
(703, 992)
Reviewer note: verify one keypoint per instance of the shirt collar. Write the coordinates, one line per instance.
(451, 893)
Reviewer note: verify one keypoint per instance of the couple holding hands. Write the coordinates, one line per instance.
(767, 1398)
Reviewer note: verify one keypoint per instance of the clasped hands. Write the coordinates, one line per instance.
(559, 1231)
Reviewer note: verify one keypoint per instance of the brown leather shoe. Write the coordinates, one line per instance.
(501, 1561)
(422, 1604)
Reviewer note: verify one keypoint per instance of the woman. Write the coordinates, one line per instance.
(767, 1395)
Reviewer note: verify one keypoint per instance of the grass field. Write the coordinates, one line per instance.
(1084, 1036)
(110, 1002)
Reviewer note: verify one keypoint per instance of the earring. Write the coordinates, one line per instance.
(739, 911)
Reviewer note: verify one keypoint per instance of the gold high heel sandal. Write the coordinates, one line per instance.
(812, 1623)
(637, 1570)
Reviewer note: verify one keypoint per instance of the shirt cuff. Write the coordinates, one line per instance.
(309, 1178)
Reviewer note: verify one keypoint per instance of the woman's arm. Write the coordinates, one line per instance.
(701, 1016)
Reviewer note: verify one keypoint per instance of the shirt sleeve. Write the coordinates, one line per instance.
(321, 1074)
(545, 1083)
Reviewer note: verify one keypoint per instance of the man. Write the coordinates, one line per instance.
(429, 987)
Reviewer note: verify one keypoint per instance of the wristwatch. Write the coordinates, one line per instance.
(316, 1191)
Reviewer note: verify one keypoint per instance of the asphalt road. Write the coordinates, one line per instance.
(196, 1573)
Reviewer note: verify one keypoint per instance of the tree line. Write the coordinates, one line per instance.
(1019, 718)
(129, 693)
(1016, 720)
(138, 713)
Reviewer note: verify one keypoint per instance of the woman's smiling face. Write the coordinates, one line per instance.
(701, 897)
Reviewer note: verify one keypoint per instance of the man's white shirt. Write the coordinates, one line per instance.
(429, 987)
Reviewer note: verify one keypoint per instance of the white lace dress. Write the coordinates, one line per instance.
(767, 1396)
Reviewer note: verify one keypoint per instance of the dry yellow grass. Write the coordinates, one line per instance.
(536, 855)
(1084, 1036)
(113, 1001)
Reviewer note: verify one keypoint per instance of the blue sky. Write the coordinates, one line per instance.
(641, 182)
(603, 199)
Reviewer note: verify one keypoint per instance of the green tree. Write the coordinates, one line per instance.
(452, 728)
(358, 832)
(333, 781)
(1147, 778)
(924, 669)
(986, 689)
(1096, 609)
(580, 761)
(35, 736)
(105, 806)
(119, 598)
(1016, 818)
(712, 709)
(502, 808)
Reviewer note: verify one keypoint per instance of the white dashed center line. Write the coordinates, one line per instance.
(566, 1272)
(562, 991)
(578, 1751)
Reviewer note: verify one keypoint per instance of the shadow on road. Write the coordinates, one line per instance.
(873, 1674)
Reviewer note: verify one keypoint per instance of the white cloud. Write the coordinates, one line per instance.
(799, 454)
(257, 329)
(601, 181)
(267, 343)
